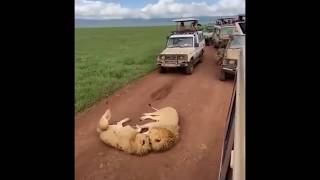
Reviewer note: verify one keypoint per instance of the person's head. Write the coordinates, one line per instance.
(182, 24)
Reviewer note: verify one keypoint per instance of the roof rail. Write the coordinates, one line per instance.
(185, 20)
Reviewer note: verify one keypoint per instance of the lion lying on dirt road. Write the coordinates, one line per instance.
(161, 135)
(124, 138)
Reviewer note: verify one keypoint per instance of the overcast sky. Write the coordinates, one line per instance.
(119, 9)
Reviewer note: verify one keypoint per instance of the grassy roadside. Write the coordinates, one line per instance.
(108, 58)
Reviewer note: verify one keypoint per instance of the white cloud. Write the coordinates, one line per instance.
(99, 10)
(89, 9)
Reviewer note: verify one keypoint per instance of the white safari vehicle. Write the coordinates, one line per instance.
(184, 48)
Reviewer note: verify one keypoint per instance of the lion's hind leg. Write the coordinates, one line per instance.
(156, 118)
(120, 123)
(104, 121)
(151, 114)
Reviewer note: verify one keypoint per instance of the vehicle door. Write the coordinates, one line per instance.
(202, 43)
(217, 34)
(197, 46)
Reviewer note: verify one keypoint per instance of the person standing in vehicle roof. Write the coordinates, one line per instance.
(182, 27)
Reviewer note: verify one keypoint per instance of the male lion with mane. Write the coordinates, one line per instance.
(124, 138)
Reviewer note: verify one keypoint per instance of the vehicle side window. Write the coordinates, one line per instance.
(196, 39)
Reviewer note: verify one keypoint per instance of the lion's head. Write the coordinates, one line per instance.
(161, 139)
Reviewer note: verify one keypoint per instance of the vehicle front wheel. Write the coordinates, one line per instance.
(201, 56)
(189, 69)
(207, 42)
(162, 70)
(222, 76)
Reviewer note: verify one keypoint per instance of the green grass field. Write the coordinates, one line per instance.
(108, 58)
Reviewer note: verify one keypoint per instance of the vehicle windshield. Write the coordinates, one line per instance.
(236, 42)
(180, 42)
(227, 31)
(208, 29)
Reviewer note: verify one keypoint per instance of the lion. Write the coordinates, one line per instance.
(164, 133)
(124, 138)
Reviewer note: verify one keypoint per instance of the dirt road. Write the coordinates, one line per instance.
(202, 103)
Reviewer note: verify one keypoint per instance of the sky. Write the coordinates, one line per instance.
(147, 9)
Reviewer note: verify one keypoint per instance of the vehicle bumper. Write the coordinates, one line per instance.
(172, 65)
(229, 70)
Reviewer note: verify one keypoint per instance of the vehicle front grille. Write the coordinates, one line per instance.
(227, 64)
(171, 57)
(171, 61)
(232, 66)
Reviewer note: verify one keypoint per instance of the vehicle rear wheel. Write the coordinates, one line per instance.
(162, 70)
(189, 69)
(222, 76)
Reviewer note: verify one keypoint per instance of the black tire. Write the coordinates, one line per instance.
(189, 69)
(162, 70)
(222, 76)
(201, 57)
(207, 42)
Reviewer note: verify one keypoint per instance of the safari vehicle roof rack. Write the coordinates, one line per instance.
(226, 21)
(226, 18)
(230, 20)
(186, 20)
(180, 23)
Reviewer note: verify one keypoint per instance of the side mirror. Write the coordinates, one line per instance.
(196, 45)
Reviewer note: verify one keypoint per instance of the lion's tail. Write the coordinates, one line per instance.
(104, 121)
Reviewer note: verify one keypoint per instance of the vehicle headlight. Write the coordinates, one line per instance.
(182, 57)
(232, 62)
(162, 57)
(225, 62)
